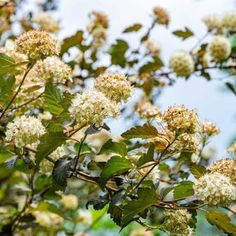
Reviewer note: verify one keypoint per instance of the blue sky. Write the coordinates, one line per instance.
(207, 97)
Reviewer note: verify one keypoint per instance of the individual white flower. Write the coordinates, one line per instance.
(176, 222)
(114, 86)
(69, 201)
(51, 68)
(46, 22)
(37, 45)
(215, 189)
(219, 48)
(92, 107)
(24, 130)
(182, 63)
(229, 21)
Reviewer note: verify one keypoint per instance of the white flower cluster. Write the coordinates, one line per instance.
(69, 201)
(226, 167)
(215, 189)
(209, 128)
(92, 107)
(45, 21)
(51, 68)
(176, 223)
(219, 48)
(227, 22)
(147, 110)
(37, 45)
(48, 219)
(114, 86)
(153, 48)
(213, 22)
(24, 130)
(182, 63)
(181, 120)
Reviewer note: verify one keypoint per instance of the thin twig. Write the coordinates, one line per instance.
(17, 91)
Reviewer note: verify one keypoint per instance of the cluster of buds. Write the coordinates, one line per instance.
(161, 16)
(176, 222)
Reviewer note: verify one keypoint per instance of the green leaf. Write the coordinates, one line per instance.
(7, 65)
(117, 52)
(53, 99)
(184, 34)
(183, 190)
(48, 143)
(60, 172)
(146, 131)
(221, 221)
(115, 166)
(197, 170)
(6, 89)
(115, 206)
(146, 198)
(148, 157)
(151, 66)
(48, 207)
(114, 147)
(71, 41)
(133, 28)
(99, 202)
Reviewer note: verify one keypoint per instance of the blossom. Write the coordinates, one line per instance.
(176, 222)
(51, 68)
(114, 86)
(69, 201)
(209, 128)
(147, 110)
(219, 48)
(212, 22)
(181, 120)
(24, 130)
(152, 47)
(92, 107)
(37, 45)
(226, 167)
(215, 189)
(48, 219)
(229, 21)
(162, 16)
(182, 63)
(45, 21)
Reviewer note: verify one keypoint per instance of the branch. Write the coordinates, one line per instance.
(17, 91)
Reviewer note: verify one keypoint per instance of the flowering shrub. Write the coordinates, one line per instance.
(58, 154)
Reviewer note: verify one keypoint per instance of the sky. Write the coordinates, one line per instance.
(208, 98)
